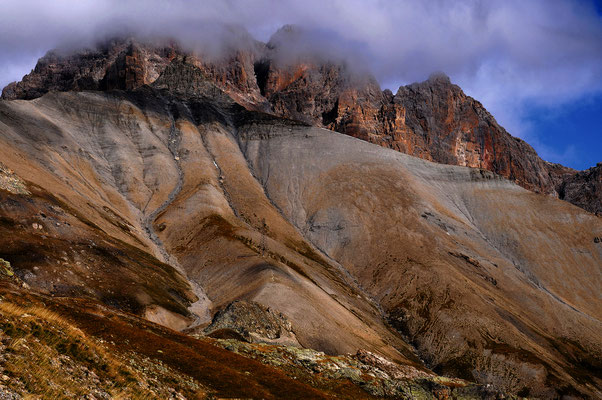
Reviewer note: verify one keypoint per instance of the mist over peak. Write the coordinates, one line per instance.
(512, 56)
(295, 43)
(551, 48)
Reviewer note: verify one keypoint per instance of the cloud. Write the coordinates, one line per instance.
(504, 53)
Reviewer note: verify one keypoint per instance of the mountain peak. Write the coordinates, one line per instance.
(440, 77)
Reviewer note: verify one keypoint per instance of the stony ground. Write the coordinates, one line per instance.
(45, 356)
(374, 374)
(54, 348)
(11, 182)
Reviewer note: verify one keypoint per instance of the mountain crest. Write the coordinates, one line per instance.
(433, 120)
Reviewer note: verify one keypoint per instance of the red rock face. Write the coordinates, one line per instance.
(127, 72)
(433, 120)
(235, 74)
(436, 121)
(304, 91)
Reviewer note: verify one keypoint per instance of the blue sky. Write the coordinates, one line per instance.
(570, 135)
(536, 65)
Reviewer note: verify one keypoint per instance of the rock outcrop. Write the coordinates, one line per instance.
(436, 121)
(254, 323)
(127, 64)
(584, 189)
(114, 64)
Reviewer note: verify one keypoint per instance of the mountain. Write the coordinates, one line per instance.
(433, 120)
(141, 182)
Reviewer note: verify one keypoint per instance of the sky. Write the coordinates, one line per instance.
(536, 65)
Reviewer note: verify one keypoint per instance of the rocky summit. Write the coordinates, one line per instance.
(257, 225)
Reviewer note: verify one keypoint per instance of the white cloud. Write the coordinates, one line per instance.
(504, 53)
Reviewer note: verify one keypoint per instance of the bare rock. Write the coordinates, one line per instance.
(255, 323)
(584, 189)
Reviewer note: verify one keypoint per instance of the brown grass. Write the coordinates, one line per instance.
(37, 338)
(96, 330)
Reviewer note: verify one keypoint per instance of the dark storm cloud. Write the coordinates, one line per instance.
(501, 52)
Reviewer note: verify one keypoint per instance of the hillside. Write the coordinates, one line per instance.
(170, 195)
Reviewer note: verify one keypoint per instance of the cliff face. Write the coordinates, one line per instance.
(127, 64)
(433, 120)
(584, 189)
(116, 64)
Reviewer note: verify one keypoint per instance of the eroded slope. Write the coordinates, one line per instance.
(488, 280)
(173, 174)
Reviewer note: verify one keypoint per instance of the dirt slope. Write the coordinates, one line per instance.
(467, 264)
(142, 163)
(348, 240)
